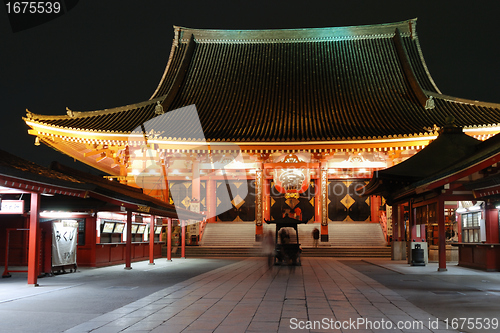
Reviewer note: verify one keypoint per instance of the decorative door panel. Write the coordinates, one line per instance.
(344, 204)
(235, 200)
(180, 193)
(203, 195)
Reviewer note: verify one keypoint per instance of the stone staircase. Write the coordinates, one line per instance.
(237, 239)
(234, 234)
(356, 234)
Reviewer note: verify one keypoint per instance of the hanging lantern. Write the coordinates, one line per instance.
(291, 181)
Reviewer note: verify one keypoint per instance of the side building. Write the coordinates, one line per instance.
(269, 122)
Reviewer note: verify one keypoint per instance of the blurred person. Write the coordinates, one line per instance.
(268, 247)
(315, 235)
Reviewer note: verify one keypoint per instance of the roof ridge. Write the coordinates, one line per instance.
(409, 72)
(83, 114)
(406, 27)
(461, 100)
(179, 75)
(421, 55)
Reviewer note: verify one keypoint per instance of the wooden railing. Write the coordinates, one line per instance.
(383, 223)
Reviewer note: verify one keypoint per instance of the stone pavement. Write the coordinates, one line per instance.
(322, 295)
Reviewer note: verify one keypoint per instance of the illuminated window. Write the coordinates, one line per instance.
(471, 227)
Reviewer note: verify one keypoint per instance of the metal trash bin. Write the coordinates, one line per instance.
(417, 256)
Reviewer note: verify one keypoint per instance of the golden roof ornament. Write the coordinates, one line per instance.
(159, 108)
(429, 103)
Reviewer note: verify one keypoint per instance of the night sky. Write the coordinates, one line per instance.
(104, 54)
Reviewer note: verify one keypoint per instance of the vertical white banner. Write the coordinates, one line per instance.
(64, 241)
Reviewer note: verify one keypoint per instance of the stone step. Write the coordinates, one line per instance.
(242, 234)
(201, 251)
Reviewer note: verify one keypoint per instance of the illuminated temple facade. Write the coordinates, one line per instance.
(310, 113)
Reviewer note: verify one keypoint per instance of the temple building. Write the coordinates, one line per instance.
(287, 121)
(447, 209)
(55, 219)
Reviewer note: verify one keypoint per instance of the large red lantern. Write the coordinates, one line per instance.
(291, 180)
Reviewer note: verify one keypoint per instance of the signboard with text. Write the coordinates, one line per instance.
(12, 207)
(64, 241)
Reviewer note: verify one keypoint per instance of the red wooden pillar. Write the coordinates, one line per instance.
(169, 239)
(183, 245)
(34, 239)
(411, 222)
(260, 203)
(374, 207)
(491, 223)
(195, 187)
(404, 219)
(396, 222)
(317, 201)
(152, 240)
(91, 235)
(323, 189)
(442, 235)
(211, 201)
(128, 246)
(267, 198)
(46, 237)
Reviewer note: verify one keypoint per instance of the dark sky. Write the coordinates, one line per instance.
(104, 54)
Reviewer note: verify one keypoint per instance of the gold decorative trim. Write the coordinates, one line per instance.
(324, 197)
(259, 197)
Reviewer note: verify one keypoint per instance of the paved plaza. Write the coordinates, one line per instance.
(245, 295)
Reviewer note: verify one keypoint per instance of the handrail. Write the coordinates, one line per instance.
(383, 223)
(6, 272)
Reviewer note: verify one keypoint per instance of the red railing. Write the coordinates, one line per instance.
(383, 223)
(202, 228)
(6, 272)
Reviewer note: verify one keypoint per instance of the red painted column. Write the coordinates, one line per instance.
(374, 208)
(90, 230)
(34, 238)
(411, 232)
(152, 240)
(317, 201)
(324, 201)
(183, 246)
(395, 222)
(442, 236)
(260, 203)
(267, 198)
(211, 201)
(46, 235)
(404, 234)
(195, 187)
(169, 239)
(128, 246)
(491, 224)
(411, 223)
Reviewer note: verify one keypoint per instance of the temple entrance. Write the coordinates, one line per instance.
(344, 204)
(300, 206)
(235, 199)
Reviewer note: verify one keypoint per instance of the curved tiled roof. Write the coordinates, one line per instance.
(455, 156)
(316, 84)
(14, 166)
